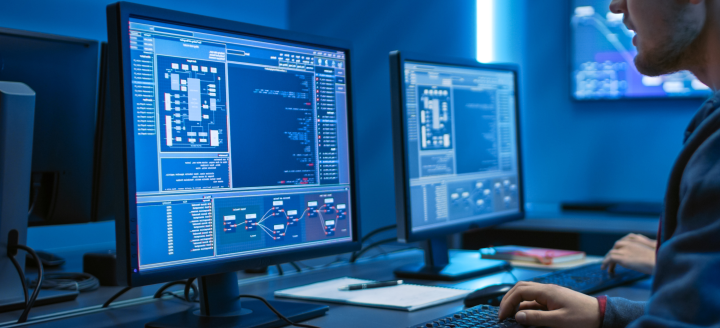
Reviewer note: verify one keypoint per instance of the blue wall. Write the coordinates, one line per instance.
(86, 18)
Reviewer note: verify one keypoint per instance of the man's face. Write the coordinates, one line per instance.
(667, 32)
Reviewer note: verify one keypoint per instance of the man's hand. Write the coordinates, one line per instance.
(652, 243)
(635, 252)
(550, 305)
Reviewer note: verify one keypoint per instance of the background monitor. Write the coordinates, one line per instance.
(457, 153)
(238, 149)
(603, 64)
(63, 72)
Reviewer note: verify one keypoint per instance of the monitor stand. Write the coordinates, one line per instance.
(221, 307)
(439, 265)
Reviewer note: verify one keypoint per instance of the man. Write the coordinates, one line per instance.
(671, 35)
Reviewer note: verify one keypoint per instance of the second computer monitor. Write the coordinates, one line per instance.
(457, 150)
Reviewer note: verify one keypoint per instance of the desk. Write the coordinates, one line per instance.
(585, 222)
(594, 233)
(344, 316)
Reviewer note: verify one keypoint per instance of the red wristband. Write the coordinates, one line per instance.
(602, 303)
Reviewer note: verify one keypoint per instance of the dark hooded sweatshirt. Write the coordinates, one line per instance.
(686, 286)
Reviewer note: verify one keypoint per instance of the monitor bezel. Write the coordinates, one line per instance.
(401, 160)
(118, 16)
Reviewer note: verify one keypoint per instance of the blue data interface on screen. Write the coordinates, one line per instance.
(241, 145)
(603, 60)
(461, 144)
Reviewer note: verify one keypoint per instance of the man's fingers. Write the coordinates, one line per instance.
(633, 236)
(652, 243)
(613, 257)
(623, 240)
(524, 291)
(628, 236)
(640, 239)
(607, 261)
(540, 318)
(531, 305)
(620, 244)
(617, 255)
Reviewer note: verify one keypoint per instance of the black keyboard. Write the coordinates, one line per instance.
(590, 279)
(481, 316)
(587, 279)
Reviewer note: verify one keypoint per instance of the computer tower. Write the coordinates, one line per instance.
(17, 118)
(17, 114)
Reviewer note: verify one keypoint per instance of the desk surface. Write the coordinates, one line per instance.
(585, 222)
(379, 268)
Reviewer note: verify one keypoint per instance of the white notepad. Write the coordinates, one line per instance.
(405, 297)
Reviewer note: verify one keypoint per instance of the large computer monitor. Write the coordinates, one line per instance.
(457, 156)
(603, 65)
(63, 72)
(237, 149)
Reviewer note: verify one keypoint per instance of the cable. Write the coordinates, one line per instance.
(80, 281)
(356, 255)
(12, 250)
(188, 285)
(277, 313)
(367, 237)
(160, 291)
(297, 268)
(176, 296)
(308, 267)
(377, 231)
(381, 250)
(33, 297)
(22, 277)
(114, 297)
(34, 198)
(338, 259)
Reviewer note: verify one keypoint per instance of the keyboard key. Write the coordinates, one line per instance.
(483, 316)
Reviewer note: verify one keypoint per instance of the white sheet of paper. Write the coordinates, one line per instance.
(402, 297)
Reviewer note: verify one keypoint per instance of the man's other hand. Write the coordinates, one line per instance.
(635, 252)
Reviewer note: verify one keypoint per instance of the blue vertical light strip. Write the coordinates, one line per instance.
(485, 31)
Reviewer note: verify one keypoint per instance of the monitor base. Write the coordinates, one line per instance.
(440, 265)
(45, 297)
(254, 314)
(453, 271)
(221, 306)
